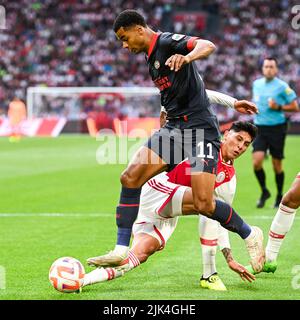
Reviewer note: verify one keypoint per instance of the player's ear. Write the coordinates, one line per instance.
(139, 29)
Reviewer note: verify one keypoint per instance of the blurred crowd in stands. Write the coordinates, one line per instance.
(71, 43)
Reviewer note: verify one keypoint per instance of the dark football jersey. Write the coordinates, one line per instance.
(182, 92)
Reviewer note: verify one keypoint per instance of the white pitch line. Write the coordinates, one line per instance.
(56, 214)
(102, 215)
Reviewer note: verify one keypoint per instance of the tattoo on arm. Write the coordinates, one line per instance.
(227, 254)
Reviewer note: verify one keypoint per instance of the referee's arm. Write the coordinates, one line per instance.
(290, 107)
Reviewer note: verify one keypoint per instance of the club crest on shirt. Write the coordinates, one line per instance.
(177, 36)
(156, 64)
(220, 177)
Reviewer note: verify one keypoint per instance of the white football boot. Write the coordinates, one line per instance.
(255, 248)
(112, 259)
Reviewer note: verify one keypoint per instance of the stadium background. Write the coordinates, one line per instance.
(53, 192)
(71, 43)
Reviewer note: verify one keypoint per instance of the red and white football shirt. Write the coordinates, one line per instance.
(225, 184)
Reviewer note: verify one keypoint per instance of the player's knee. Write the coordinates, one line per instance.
(128, 180)
(290, 200)
(257, 165)
(204, 206)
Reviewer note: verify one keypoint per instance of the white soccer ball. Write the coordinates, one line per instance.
(66, 274)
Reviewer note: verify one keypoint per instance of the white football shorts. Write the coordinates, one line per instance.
(155, 195)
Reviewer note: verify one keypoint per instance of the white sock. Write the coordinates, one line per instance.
(106, 274)
(99, 275)
(280, 226)
(133, 260)
(208, 232)
(223, 238)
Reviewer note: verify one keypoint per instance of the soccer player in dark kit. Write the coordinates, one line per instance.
(191, 132)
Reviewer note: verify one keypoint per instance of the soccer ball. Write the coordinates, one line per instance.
(66, 274)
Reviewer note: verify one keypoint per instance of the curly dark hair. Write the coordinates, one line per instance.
(128, 18)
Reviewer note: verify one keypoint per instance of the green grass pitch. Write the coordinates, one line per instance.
(41, 176)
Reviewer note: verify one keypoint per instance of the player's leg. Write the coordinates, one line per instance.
(204, 160)
(144, 245)
(279, 178)
(205, 203)
(277, 142)
(257, 159)
(260, 147)
(223, 238)
(149, 237)
(282, 223)
(208, 232)
(144, 165)
(230, 220)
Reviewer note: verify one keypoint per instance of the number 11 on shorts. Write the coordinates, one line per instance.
(201, 150)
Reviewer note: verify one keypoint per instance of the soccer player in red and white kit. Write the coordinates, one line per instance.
(169, 195)
(192, 132)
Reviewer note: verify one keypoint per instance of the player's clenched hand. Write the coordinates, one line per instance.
(176, 61)
(244, 106)
(241, 270)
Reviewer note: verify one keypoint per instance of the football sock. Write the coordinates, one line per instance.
(101, 275)
(106, 274)
(133, 260)
(279, 177)
(280, 226)
(223, 238)
(127, 212)
(208, 232)
(230, 220)
(261, 177)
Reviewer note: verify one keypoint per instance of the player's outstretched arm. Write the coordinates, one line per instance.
(222, 99)
(242, 106)
(201, 50)
(236, 267)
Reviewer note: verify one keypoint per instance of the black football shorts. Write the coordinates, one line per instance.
(174, 145)
(271, 138)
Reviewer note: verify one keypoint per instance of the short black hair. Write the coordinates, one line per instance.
(128, 18)
(247, 126)
(272, 59)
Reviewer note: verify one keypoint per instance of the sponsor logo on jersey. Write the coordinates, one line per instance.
(220, 177)
(177, 36)
(156, 64)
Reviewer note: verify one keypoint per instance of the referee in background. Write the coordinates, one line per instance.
(273, 97)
